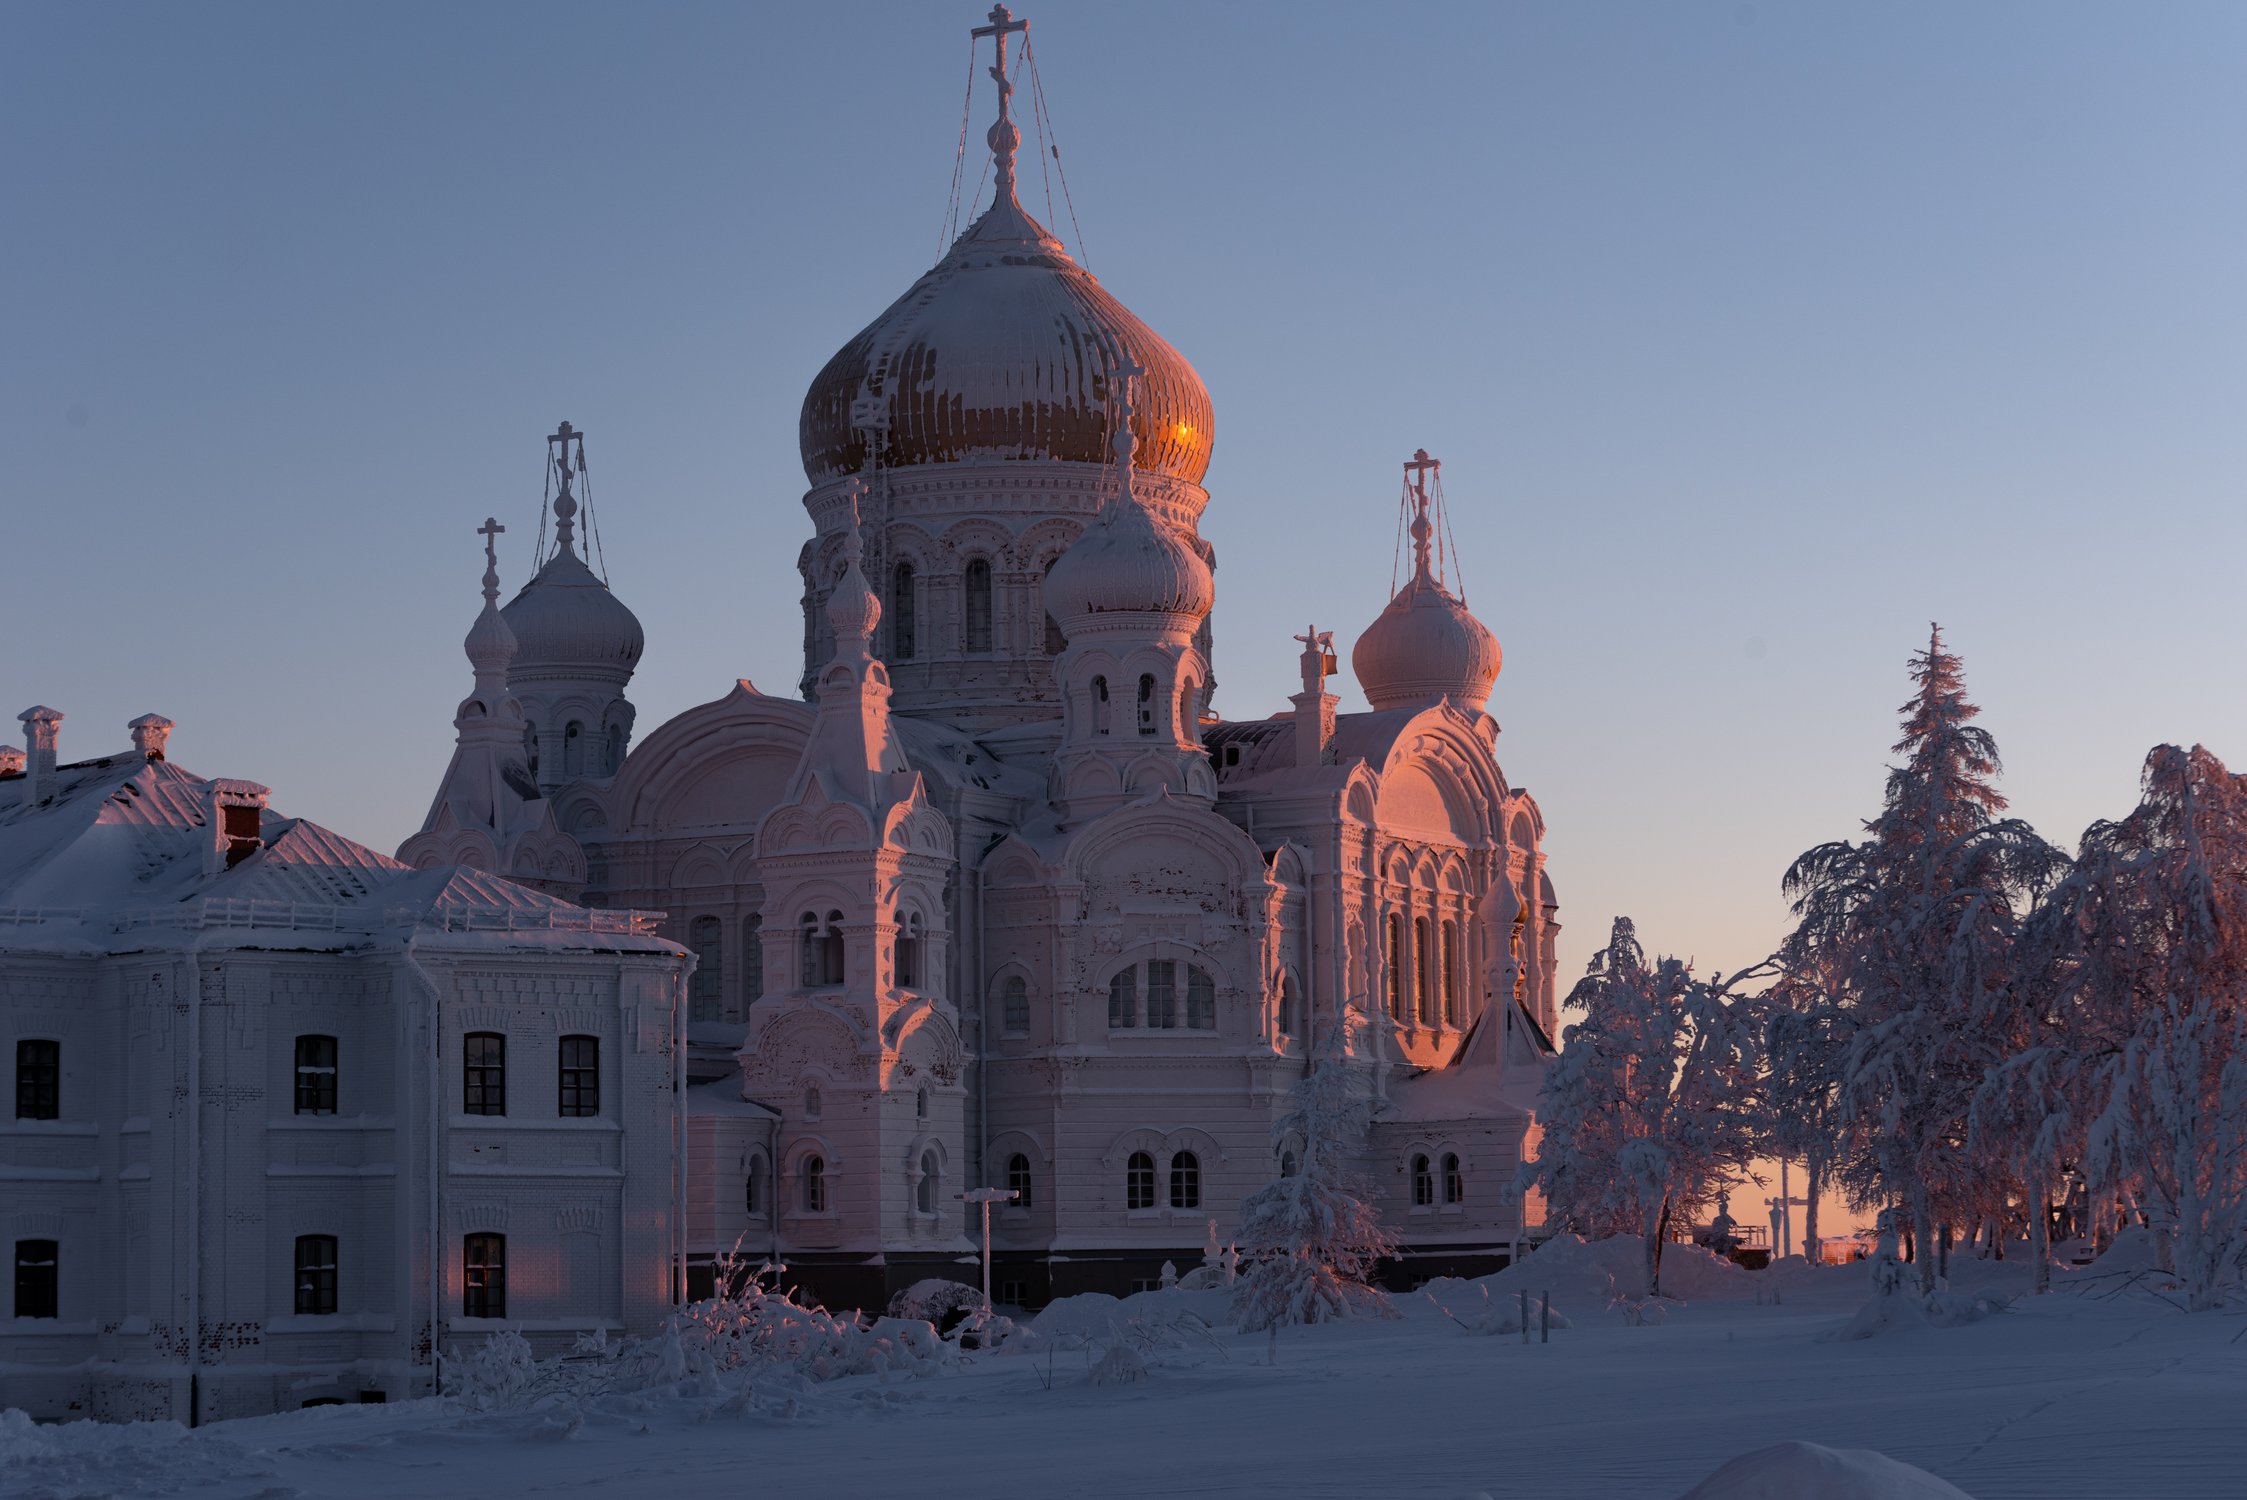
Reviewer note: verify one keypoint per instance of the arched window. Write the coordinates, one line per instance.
(1147, 703)
(1454, 1180)
(811, 1101)
(975, 586)
(1423, 971)
(815, 1185)
(530, 746)
(1201, 1000)
(902, 631)
(573, 749)
(1185, 1180)
(1015, 1009)
(616, 749)
(1123, 1000)
(822, 948)
(753, 1189)
(905, 952)
(1162, 993)
(752, 961)
(1018, 1179)
(1288, 1164)
(1099, 705)
(1392, 961)
(1450, 973)
(924, 1191)
(315, 1075)
(483, 1073)
(707, 995)
(1139, 1181)
(920, 1104)
(483, 1276)
(1291, 1006)
(1423, 1183)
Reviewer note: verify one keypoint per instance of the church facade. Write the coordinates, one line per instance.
(993, 896)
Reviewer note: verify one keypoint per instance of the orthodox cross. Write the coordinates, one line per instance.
(490, 532)
(565, 504)
(1416, 472)
(1004, 138)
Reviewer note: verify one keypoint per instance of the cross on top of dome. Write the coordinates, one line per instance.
(1004, 137)
(565, 503)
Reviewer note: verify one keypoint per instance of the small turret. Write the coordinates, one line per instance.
(1426, 645)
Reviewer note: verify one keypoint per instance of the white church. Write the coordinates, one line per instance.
(992, 897)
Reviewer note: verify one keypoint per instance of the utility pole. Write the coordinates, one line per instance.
(983, 1198)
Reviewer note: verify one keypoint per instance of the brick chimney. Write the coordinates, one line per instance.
(41, 728)
(151, 733)
(236, 810)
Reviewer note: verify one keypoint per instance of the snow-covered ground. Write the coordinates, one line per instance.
(2099, 1390)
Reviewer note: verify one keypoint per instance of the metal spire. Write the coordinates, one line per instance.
(490, 532)
(1416, 472)
(565, 503)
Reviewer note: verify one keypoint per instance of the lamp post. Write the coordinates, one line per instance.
(984, 1198)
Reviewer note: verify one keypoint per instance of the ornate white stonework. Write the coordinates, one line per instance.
(999, 900)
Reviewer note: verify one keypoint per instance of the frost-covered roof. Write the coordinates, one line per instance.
(126, 843)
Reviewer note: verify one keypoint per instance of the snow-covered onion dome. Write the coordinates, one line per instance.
(1001, 353)
(1126, 561)
(1426, 644)
(565, 620)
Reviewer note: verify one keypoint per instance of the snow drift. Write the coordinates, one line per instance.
(1801, 1471)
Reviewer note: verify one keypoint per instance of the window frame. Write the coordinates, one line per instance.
(976, 588)
(38, 1278)
(483, 1079)
(813, 1193)
(577, 1084)
(316, 1260)
(1423, 1180)
(706, 991)
(904, 615)
(483, 1275)
(1185, 1181)
(1454, 1180)
(1014, 1006)
(324, 1075)
(1123, 999)
(1020, 1180)
(38, 1078)
(1139, 1182)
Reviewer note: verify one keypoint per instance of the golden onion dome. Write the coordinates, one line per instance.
(1001, 353)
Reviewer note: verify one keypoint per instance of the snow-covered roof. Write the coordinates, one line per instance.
(126, 843)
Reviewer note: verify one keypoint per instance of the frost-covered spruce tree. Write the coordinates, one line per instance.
(1311, 1238)
(1807, 1032)
(1653, 1106)
(1921, 918)
(2151, 929)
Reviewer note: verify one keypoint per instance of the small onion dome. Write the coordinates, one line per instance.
(1426, 645)
(1128, 562)
(566, 619)
(1001, 353)
(490, 644)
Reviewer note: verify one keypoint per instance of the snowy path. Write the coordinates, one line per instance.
(2063, 1397)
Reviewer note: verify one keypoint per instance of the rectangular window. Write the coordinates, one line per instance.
(706, 991)
(1162, 992)
(581, 1077)
(38, 1080)
(315, 1274)
(315, 1075)
(1123, 1000)
(483, 1063)
(483, 1276)
(36, 1284)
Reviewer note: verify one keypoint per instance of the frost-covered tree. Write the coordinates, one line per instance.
(1311, 1239)
(1921, 919)
(2149, 934)
(1807, 1032)
(1653, 1106)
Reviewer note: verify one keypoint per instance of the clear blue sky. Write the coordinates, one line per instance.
(1753, 337)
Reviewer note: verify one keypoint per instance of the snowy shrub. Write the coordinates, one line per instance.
(936, 1301)
(1121, 1365)
(1310, 1241)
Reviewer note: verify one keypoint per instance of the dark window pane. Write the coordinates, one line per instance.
(581, 1076)
(315, 1274)
(315, 1075)
(484, 1073)
(483, 1278)
(36, 1283)
(38, 1080)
